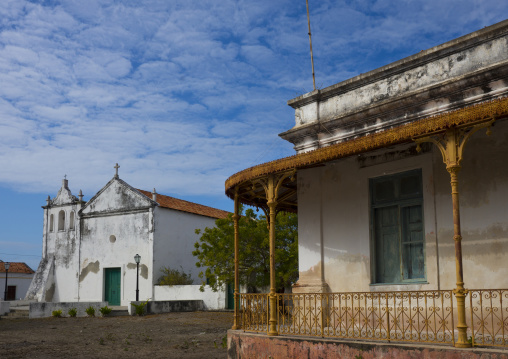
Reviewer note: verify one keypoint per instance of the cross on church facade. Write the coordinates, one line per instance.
(116, 167)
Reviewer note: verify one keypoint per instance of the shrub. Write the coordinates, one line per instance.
(174, 277)
(90, 311)
(105, 311)
(57, 313)
(72, 312)
(140, 308)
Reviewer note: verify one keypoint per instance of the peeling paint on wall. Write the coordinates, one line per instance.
(50, 292)
(143, 269)
(91, 267)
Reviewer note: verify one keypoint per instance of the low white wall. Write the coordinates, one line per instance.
(20, 280)
(212, 300)
(4, 307)
(45, 309)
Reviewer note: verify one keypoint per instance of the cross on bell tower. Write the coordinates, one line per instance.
(116, 167)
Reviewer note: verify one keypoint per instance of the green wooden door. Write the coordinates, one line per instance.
(231, 296)
(412, 242)
(387, 245)
(112, 286)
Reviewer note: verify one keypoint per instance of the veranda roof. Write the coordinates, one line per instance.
(250, 189)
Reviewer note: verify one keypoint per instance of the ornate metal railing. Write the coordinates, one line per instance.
(413, 316)
(488, 310)
(254, 312)
(398, 316)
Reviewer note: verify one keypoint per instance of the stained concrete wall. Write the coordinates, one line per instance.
(5, 307)
(45, 309)
(211, 300)
(174, 240)
(168, 306)
(334, 218)
(261, 346)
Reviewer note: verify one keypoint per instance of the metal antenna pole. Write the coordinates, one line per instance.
(310, 41)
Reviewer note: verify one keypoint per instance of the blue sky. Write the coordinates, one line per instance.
(182, 94)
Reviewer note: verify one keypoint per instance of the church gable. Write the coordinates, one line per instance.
(117, 196)
(64, 195)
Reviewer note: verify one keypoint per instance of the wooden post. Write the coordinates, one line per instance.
(236, 217)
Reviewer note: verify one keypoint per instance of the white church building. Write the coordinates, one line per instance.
(89, 247)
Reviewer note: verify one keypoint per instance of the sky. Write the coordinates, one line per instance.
(182, 94)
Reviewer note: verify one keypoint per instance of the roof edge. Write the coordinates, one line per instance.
(484, 111)
(477, 37)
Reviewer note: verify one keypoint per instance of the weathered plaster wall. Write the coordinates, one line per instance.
(116, 225)
(459, 63)
(42, 281)
(483, 190)
(340, 191)
(174, 240)
(462, 72)
(62, 246)
(98, 252)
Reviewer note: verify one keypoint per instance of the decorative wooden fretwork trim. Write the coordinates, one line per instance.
(477, 113)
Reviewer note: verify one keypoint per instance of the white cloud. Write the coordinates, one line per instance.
(184, 94)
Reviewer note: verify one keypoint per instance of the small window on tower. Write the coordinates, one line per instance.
(61, 220)
(71, 221)
(51, 223)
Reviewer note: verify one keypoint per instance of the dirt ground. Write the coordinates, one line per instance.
(172, 335)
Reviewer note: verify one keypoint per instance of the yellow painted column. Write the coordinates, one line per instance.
(272, 205)
(460, 292)
(236, 217)
(451, 144)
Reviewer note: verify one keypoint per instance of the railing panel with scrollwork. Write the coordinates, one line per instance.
(413, 316)
(254, 312)
(488, 311)
(423, 316)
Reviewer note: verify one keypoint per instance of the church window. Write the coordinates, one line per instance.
(51, 223)
(61, 220)
(397, 225)
(71, 221)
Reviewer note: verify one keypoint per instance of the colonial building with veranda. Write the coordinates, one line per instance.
(400, 181)
(89, 247)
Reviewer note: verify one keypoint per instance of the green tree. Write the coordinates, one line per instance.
(215, 251)
(174, 277)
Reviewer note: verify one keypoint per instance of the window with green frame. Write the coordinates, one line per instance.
(397, 228)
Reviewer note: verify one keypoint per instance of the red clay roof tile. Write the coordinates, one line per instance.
(186, 206)
(16, 267)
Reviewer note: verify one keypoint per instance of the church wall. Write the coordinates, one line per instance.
(174, 240)
(334, 200)
(62, 247)
(112, 241)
